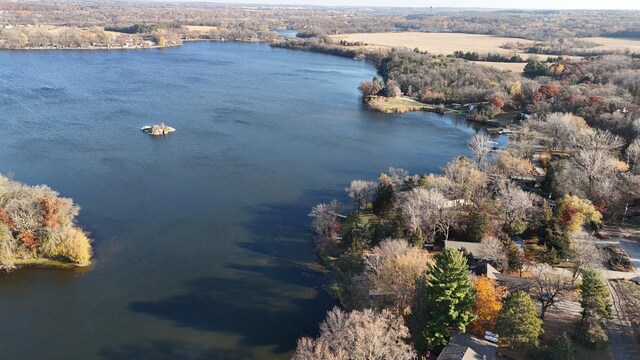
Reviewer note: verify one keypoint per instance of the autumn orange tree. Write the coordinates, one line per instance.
(488, 303)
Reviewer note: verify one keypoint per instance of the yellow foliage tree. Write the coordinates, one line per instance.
(573, 212)
(75, 247)
(489, 297)
(514, 166)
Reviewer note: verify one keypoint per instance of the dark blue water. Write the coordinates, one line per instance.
(201, 242)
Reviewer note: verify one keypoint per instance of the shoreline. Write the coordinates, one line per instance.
(105, 48)
(48, 264)
(403, 104)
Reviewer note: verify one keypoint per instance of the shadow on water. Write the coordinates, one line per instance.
(229, 305)
(269, 303)
(281, 230)
(171, 350)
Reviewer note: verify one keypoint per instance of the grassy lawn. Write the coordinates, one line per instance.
(398, 105)
(556, 323)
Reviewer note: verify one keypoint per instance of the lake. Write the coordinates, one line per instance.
(201, 240)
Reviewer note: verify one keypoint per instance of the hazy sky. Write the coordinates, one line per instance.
(535, 4)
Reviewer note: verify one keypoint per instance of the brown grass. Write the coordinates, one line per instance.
(555, 323)
(437, 43)
(397, 105)
(615, 44)
(200, 29)
(447, 43)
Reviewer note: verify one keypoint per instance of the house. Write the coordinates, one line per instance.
(486, 270)
(524, 116)
(467, 347)
(475, 249)
(551, 204)
(518, 241)
(457, 203)
(513, 283)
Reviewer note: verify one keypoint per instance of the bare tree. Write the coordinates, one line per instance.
(465, 180)
(549, 285)
(515, 203)
(633, 153)
(600, 140)
(392, 89)
(492, 249)
(391, 272)
(325, 222)
(361, 192)
(358, 335)
(397, 177)
(564, 129)
(429, 208)
(595, 169)
(481, 146)
(585, 253)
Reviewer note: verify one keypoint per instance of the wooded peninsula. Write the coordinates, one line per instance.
(37, 228)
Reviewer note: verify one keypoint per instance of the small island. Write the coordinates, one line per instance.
(158, 130)
(37, 228)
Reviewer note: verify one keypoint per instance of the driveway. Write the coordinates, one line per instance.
(622, 337)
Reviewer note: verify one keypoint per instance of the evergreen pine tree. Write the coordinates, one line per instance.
(477, 226)
(594, 294)
(423, 180)
(445, 300)
(596, 309)
(515, 257)
(383, 200)
(417, 239)
(561, 348)
(518, 321)
(358, 237)
(399, 225)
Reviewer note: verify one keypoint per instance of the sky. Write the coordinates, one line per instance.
(513, 4)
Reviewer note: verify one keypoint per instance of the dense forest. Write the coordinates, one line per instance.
(37, 225)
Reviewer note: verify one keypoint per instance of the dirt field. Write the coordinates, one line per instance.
(437, 43)
(447, 43)
(615, 44)
(200, 29)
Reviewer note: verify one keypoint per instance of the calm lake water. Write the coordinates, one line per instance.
(201, 242)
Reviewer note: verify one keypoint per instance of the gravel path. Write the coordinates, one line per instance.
(622, 342)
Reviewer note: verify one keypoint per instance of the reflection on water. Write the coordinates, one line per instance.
(201, 241)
